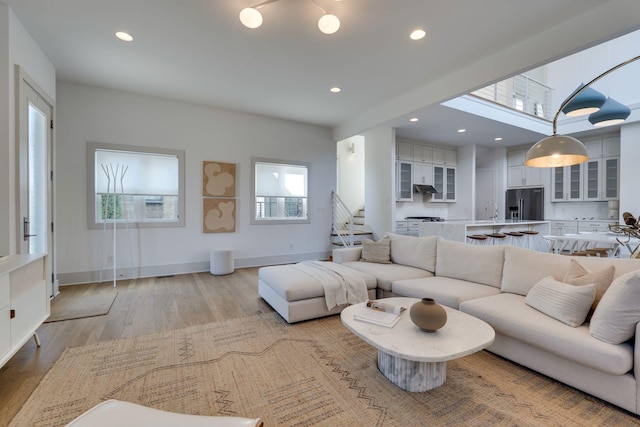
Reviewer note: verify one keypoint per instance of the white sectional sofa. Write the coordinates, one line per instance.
(501, 285)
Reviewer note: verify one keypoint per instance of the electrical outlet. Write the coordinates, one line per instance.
(290, 246)
(110, 259)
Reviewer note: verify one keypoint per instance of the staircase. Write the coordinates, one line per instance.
(347, 229)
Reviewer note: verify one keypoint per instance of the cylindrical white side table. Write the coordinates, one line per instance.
(221, 261)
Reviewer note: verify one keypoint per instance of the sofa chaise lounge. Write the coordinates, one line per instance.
(501, 285)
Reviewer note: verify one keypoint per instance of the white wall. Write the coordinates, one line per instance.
(17, 47)
(629, 170)
(7, 174)
(93, 114)
(379, 182)
(465, 184)
(350, 180)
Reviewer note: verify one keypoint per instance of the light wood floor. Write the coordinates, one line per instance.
(142, 306)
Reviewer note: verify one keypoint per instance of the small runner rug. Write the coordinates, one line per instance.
(70, 305)
(314, 373)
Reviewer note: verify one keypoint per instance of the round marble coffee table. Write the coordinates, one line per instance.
(415, 360)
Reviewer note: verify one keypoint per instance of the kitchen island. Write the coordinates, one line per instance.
(527, 234)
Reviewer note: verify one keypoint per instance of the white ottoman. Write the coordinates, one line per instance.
(221, 261)
(296, 296)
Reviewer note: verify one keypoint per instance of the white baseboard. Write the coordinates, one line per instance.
(125, 273)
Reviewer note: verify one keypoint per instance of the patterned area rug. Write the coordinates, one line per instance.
(314, 373)
(68, 305)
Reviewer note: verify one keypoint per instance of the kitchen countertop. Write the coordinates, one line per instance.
(611, 220)
(489, 222)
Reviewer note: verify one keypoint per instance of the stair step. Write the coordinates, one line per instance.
(342, 244)
(355, 233)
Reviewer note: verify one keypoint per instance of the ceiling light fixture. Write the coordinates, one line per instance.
(335, 89)
(413, 119)
(461, 130)
(499, 138)
(611, 113)
(562, 150)
(125, 37)
(417, 34)
(585, 101)
(252, 18)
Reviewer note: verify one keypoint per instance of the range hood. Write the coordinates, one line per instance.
(424, 189)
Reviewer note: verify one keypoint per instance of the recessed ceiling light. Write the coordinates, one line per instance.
(413, 119)
(335, 89)
(125, 37)
(417, 34)
(499, 138)
(461, 130)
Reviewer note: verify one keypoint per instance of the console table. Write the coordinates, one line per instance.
(24, 301)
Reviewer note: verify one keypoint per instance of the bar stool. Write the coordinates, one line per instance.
(515, 238)
(477, 239)
(496, 238)
(528, 234)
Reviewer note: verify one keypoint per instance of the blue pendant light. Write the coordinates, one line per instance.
(611, 113)
(586, 102)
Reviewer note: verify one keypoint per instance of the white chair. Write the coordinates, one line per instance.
(117, 413)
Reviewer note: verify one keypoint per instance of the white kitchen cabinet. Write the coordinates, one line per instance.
(404, 151)
(519, 175)
(404, 180)
(566, 183)
(422, 173)
(401, 227)
(594, 226)
(444, 181)
(24, 301)
(611, 146)
(422, 153)
(601, 179)
(611, 178)
(560, 228)
(442, 156)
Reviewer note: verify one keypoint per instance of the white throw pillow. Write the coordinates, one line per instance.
(615, 318)
(566, 303)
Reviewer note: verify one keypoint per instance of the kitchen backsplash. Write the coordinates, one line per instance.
(580, 210)
(568, 210)
(405, 209)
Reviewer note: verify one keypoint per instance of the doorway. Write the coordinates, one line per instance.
(35, 172)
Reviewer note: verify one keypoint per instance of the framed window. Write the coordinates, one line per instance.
(279, 192)
(139, 186)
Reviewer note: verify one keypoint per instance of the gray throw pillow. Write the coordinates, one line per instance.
(378, 252)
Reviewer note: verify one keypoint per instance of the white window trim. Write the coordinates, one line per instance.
(91, 185)
(253, 220)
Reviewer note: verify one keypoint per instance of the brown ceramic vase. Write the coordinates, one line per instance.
(428, 315)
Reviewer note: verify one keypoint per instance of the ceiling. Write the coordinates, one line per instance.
(198, 51)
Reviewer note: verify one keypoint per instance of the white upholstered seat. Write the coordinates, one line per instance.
(124, 414)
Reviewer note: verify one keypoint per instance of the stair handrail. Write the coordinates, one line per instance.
(342, 216)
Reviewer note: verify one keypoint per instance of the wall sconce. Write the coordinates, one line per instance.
(352, 148)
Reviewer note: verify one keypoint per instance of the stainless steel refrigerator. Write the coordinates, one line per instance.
(525, 204)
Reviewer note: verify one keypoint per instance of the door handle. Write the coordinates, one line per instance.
(25, 229)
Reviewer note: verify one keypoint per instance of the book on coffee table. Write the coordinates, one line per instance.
(382, 318)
